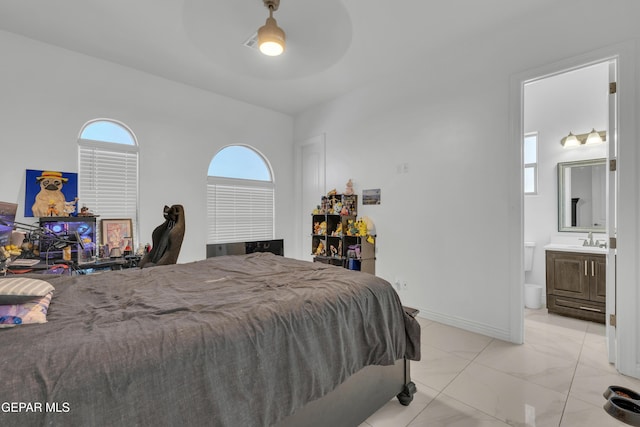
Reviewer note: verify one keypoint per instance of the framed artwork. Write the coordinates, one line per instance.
(50, 193)
(117, 233)
(371, 197)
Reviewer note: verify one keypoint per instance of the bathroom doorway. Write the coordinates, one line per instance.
(573, 100)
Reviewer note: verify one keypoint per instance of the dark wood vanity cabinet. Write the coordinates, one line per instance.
(576, 284)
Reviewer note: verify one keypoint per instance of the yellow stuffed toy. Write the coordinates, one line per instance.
(323, 228)
(362, 228)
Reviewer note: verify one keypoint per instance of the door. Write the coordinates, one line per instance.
(612, 201)
(312, 187)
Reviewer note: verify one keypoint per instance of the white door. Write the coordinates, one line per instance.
(612, 201)
(312, 187)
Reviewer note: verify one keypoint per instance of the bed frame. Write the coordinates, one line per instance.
(356, 399)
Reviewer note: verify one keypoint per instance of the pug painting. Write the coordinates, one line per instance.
(50, 201)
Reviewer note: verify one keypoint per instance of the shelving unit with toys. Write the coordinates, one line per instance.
(338, 237)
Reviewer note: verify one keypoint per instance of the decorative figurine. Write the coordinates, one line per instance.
(349, 190)
(325, 205)
(52, 210)
(334, 251)
(84, 211)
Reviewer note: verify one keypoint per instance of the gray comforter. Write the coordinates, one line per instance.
(229, 341)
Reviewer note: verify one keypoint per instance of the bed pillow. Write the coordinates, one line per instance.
(17, 290)
(34, 311)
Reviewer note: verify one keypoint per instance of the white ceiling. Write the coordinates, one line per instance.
(333, 46)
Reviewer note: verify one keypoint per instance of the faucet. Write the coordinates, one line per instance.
(589, 240)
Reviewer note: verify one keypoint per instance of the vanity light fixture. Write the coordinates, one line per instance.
(594, 138)
(591, 138)
(570, 141)
(271, 38)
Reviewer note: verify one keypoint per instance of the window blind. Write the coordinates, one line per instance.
(239, 210)
(108, 180)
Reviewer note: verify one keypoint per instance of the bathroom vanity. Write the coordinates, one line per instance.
(576, 281)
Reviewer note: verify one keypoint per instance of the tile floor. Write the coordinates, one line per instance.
(464, 379)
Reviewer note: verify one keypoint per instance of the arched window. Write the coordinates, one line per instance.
(108, 170)
(240, 196)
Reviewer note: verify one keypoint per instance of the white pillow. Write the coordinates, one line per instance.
(16, 290)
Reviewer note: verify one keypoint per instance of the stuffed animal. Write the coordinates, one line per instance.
(323, 228)
(352, 229)
(337, 207)
(320, 249)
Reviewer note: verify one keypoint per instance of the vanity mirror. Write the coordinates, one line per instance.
(582, 193)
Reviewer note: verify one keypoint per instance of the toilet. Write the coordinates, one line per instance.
(532, 293)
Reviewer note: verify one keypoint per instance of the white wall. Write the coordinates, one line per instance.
(48, 94)
(450, 226)
(576, 102)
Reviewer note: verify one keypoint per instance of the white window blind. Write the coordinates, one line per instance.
(108, 179)
(239, 210)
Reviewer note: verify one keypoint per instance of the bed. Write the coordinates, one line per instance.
(247, 340)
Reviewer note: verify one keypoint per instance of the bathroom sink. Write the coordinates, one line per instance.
(575, 248)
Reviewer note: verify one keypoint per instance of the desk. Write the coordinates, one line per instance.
(100, 265)
(67, 267)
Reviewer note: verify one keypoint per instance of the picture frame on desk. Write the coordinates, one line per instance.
(117, 233)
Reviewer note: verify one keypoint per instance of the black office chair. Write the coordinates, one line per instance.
(167, 239)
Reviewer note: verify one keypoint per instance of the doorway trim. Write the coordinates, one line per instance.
(317, 144)
(627, 298)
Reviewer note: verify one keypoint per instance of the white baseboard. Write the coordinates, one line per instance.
(465, 324)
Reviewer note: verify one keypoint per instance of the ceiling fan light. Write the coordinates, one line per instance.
(271, 38)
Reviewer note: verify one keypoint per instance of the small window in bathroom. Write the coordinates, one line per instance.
(530, 154)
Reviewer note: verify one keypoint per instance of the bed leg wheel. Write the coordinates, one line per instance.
(406, 395)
